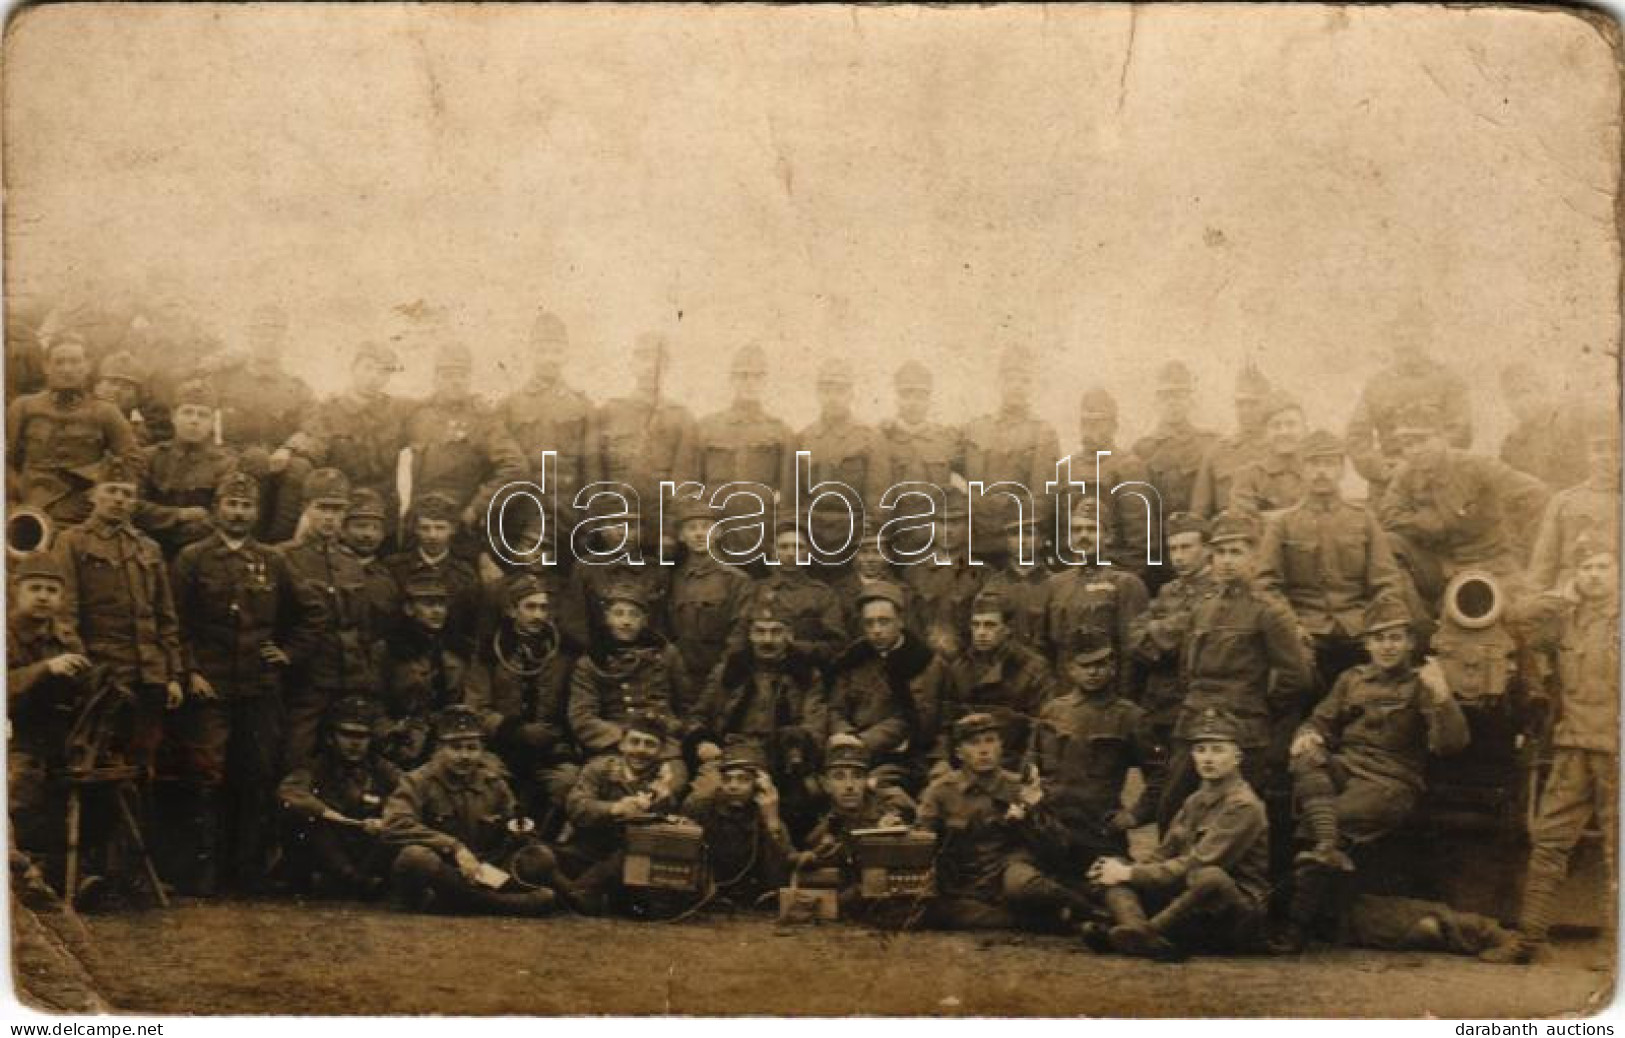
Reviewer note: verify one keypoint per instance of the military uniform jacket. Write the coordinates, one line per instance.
(1123, 513)
(328, 783)
(1382, 725)
(817, 623)
(845, 450)
(53, 445)
(943, 596)
(517, 680)
(1010, 683)
(837, 825)
(1084, 747)
(892, 702)
(359, 436)
(1468, 509)
(1223, 827)
(1268, 484)
(260, 409)
(704, 604)
(1551, 447)
(1220, 465)
(582, 613)
(1028, 594)
(640, 442)
(419, 672)
(924, 453)
(975, 840)
(179, 476)
(603, 781)
(433, 808)
(746, 697)
(1172, 458)
(229, 603)
(1586, 508)
(739, 845)
(607, 684)
(460, 450)
(39, 704)
(1242, 655)
(1104, 600)
(742, 444)
(1329, 559)
(382, 593)
(459, 576)
(1012, 446)
(1371, 427)
(556, 418)
(326, 616)
(1157, 636)
(117, 595)
(851, 585)
(1584, 639)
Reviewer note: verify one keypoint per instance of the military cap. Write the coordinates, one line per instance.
(627, 591)
(1276, 402)
(1588, 544)
(119, 366)
(742, 753)
(649, 722)
(768, 608)
(1087, 645)
(882, 591)
(548, 329)
(1418, 416)
(115, 468)
(846, 751)
(1214, 725)
(523, 586)
(1187, 522)
(38, 565)
(1384, 612)
(1251, 383)
(749, 360)
(426, 585)
(991, 602)
(327, 485)
(972, 725)
(835, 372)
(1322, 444)
(1097, 403)
(453, 355)
(1017, 359)
(686, 508)
(237, 484)
(436, 505)
(353, 714)
(365, 503)
(196, 392)
(1175, 376)
(1234, 526)
(380, 354)
(913, 375)
(458, 721)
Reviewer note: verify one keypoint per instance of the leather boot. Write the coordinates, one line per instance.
(1321, 815)
(1534, 920)
(1133, 935)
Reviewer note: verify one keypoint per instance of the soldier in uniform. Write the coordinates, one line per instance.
(1012, 444)
(1210, 873)
(118, 381)
(888, 689)
(746, 841)
(1358, 761)
(1025, 587)
(854, 803)
(869, 568)
(1414, 378)
(1547, 440)
(1580, 634)
(632, 669)
(547, 413)
(582, 615)
(333, 808)
(1591, 507)
(1274, 480)
(359, 432)
(645, 437)
(983, 817)
(942, 594)
(1123, 518)
(328, 621)
(1232, 453)
(229, 589)
(919, 450)
(420, 670)
(179, 476)
(1092, 597)
(57, 437)
(743, 443)
(706, 595)
(842, 448)
(434, 526)
(463, 844)
(818, 627)
(994, 674)
(363, 534)
(1330, 560)
(1172, 453)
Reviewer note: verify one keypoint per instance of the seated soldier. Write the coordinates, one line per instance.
(983, 818)
(1210, 874)
(517, 682)
(1086, 740)
(463, 845)
(770, 696)
(853, 804)
(614, 789)
(434, 527)
(418, 670)
(1357, 762)
(995, 674)
(632, 668)
(746, 842)
(333, 807)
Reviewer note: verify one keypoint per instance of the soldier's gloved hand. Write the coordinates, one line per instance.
(67, 664)
(173, 696)
(200, 687)
(467, 864)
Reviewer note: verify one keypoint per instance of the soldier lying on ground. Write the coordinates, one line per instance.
(332, 809)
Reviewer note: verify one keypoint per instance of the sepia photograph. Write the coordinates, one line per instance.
(1092, 510)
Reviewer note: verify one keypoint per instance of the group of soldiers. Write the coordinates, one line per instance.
(329, 678)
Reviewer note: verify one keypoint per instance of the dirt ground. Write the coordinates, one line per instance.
(284, 957)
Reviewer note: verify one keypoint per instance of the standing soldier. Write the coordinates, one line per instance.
(1124, 518)
(1273, 480)
(547, 413)
(1413, 379)
(1548, 440)
(942, 594)
(1232, 453)
(1012, 444)
(706, 596)
(1330, 560)
(841, 447)
(363, 534)
(358, 432)
(327, 620)
(812, 608)
(644, 437)
(1091, 597)
(743, 443)
(118, 381)
(1591, 508)
(56, 438)
(228, 589)
(918, 449)
(1172, 453)
(997, 675)
(1582, 635)
(180, 475)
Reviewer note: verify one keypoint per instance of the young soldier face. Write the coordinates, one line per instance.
(363, 534)
(39, 598)
(351, 745)
(430, 612)
(641, 749)
(1233, 560)
(368, 376)
(625, 621)
(1596, 577)
(881, 624)
(748, 386)
(769, 640)
(981, 752)
(1389, 647)
(1216, 759)
(119, 392)
(193, 423)
(737, 784)
(67, 367)
(988, 631)
(913, 404)
(785, 546)
(845, 786)
(324, 517)
(434, 535)
(1324, 472)
(461, 754)
(696, 535)
(1091, 676)
(236, 515)
(870, 562)
(112, 502)
(1285, 430)
(1082, 528)
(835, 397)
(1187, 553)
(531, 613)
(1249, 411)
(1016, 389)
(1096, 431)
(1173, 405)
